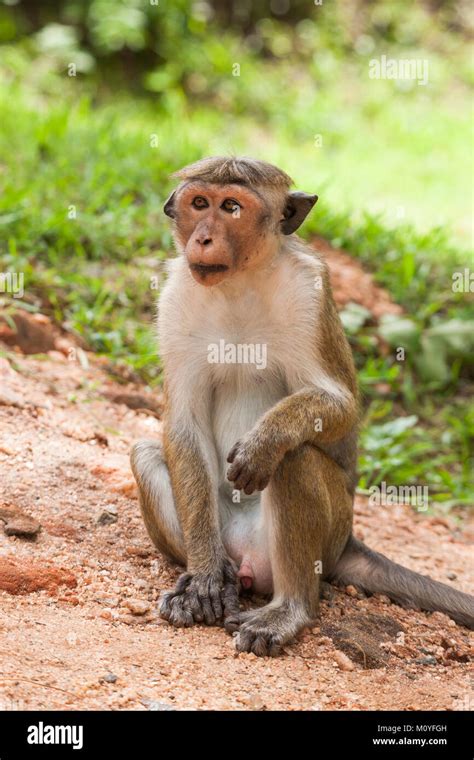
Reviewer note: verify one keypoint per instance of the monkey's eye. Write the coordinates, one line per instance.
(200, 202)
(230, 205)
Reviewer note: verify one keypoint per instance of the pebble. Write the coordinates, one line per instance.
(430, 660)
(108, 516)
(154, 706)
(8, 398)
(343, 661)
(23, 526)
(137, 606)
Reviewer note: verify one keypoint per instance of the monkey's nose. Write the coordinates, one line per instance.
(204, 240)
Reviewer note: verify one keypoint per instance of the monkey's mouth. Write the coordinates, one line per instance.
(204, 269)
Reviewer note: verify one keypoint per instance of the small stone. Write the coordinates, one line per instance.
(7, 398)
(253, 702)
(155, 706)
(351, 590)
(343, 661)
(109, 678)
(137, 606)
(23, 526)
(108, 516)
(430, 660)
(451, 576)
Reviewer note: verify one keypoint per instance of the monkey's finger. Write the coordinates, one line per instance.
(233, 452)
(182, 583)
(165, 605)
(207, 611)
(215, 595)
(234, 471)
(193, 603)
(180, 616)
(230, 599)
(244, 478)
(250, 487)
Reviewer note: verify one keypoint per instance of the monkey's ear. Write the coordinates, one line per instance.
(298, 206)
(168, 208)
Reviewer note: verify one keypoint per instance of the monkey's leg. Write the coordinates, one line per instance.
(181, 607)
(309, 515)
(156, 499)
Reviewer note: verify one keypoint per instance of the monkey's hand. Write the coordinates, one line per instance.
(209, 598)
(253, 461)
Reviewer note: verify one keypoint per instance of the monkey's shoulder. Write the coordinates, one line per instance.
(307, 263)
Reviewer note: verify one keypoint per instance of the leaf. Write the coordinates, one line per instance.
(396, 427)
(457, 334)
(400, 331)
(353, 316)
(431, 362)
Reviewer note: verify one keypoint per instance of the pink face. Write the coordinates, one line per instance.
(222, 229)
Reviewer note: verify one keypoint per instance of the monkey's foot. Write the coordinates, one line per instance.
(203, 598)
(266, 630)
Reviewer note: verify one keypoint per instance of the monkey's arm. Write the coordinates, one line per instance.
(193, 480)
(207, 592)
(311, 415)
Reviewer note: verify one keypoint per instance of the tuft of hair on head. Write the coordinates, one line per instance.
(225, 170)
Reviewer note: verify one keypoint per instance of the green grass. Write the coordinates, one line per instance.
(69, 144)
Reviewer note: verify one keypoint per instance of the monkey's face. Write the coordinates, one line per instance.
(222, 229)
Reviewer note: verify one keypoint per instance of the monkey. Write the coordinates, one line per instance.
(252, 487)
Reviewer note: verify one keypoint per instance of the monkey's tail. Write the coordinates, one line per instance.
(376, 574)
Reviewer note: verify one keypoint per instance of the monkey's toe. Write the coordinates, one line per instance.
(260, 641)
(258, 635)
(266, 630)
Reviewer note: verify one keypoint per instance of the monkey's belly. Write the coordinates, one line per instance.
(248, 394)
(246, 541)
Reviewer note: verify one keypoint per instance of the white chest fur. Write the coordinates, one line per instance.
(240, 347)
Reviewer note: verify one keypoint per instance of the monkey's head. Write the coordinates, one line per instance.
(229, 214)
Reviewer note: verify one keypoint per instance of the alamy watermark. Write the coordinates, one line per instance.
(400, 69)
(237, 353)
(13, 283)
(389, 496)
(463, 282)
(42, 733)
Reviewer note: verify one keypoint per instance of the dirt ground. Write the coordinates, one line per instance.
(79, 578)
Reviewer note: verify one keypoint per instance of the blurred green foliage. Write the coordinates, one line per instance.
(85, 163)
